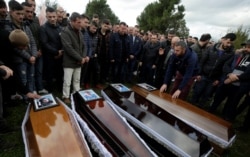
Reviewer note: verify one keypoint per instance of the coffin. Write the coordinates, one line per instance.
(109, 127)
(53, 132)
(220, 133)
(164, 129)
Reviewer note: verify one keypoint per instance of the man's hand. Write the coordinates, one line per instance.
(163, 88)
(131, 56)
(8, 71)
(198, 78)
(60, 53)
(87, 59)
(216, 82)
(233, 77)
(33, 95)
(32, 60)
(161, 51)
(176, 94)
(39, 53)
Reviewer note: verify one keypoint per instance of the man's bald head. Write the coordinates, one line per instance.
(174, 41)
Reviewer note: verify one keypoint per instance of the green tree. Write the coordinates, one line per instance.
(164, 15)
(101, 8)
(242, 35)
(52, 4)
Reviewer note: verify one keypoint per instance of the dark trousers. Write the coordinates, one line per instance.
(202, 91)
(104, 70)
(147, 74)
(118, 71)
(132, 64)
(246, 102)
(159, 76)
(39, 73)
(186, 89)
(233, 94)
(92, 73)
(53, 70)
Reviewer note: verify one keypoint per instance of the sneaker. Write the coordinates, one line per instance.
(43, 91)
(16, 97)
(66, 100)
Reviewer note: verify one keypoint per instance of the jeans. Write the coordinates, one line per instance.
(26, 71)
(69, 74)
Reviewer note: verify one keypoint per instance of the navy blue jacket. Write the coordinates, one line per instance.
(135, 46)
(118, 51)
(187, 65)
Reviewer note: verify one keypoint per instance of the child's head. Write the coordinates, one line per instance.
(19, 39)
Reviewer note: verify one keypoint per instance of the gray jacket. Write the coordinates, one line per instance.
(22, 55)
(73, 46)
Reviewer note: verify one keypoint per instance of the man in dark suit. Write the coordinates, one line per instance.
(135, 43)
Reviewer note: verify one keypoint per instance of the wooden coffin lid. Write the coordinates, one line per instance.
(53, 134)
(207, 123)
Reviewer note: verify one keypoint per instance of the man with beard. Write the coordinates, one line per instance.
(210, 73)
(184, 64)
(236, 84)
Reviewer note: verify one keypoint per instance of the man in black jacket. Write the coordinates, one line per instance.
(236, 85)
(210, 69)
(52, 50)
(149, 59)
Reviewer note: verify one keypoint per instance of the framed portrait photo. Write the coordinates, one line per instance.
(120, 87)
(45, 101)
(146, 86)
(89, 95)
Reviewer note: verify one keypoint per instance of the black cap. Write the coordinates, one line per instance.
(230, 36)
(205, 37)
(245, 43)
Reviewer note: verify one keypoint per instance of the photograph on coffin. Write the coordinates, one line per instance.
(45, 101)
(146, 86)
(120, 87)
(89, 95)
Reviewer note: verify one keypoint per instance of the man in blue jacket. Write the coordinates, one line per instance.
(183, 63)
(119, 52)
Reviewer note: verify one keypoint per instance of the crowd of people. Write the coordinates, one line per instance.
(72, 52)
